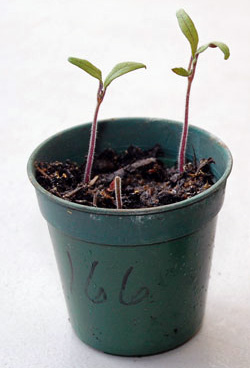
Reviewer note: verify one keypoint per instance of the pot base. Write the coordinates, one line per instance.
(144, 354)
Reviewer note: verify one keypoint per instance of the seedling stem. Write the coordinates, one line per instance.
(183, 143)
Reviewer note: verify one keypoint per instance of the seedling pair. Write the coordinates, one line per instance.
(188, 29)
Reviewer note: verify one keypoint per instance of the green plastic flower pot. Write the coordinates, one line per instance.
(135, 281)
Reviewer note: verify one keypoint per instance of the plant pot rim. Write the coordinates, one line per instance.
(136, 211)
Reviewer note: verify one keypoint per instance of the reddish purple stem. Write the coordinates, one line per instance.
(92, 142)
(183, 144)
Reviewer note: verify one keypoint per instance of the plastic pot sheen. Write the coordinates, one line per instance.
(135, 281)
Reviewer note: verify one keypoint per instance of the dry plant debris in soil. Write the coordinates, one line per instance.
(145, 180)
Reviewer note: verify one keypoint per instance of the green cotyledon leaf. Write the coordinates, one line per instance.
(182, 72)
(87, 67)
(222, 46)
(120, 69)
(188, 29)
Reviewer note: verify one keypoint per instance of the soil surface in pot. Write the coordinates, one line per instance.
(145, 180)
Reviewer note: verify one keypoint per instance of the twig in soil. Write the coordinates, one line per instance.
(70, 193)
(43, 173)
(93, 181)
(132, 167)
(140, 163)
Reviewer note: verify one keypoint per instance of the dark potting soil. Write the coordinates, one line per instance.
(145, 180)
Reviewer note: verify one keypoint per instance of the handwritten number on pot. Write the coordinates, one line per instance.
(141, 294)
(101, 297)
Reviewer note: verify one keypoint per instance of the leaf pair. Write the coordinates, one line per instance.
(117, 71)
(188, 29)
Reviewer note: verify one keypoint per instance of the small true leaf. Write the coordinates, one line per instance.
(181, 71)
(222, 46)
(87, 67)
(120, 69)
(188, 29)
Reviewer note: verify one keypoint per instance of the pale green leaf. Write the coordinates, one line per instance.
(202, 48)
(222, 46)
(188, 29)
(120, 69)
(182, 72)
(87, 67)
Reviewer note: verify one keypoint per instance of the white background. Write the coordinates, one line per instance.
(41, 94)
